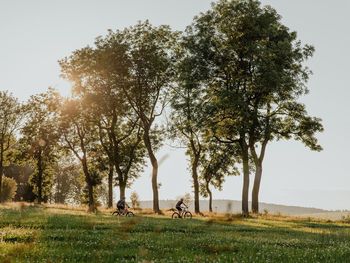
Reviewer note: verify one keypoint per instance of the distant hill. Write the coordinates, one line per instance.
(232, 206)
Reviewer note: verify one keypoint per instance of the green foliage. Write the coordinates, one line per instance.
(39, 141)
(11, 115)
(98, 75)
(8, 189)
(101, 193)
(216, 163)
(68, 182)
(250, 62)
(252, 68)
(150, 54)
(80, 137)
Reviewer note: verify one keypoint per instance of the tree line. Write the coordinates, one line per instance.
(229, 85)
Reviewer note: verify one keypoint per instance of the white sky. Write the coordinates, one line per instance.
(35, 34)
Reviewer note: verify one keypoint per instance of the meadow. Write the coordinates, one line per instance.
(62, 234)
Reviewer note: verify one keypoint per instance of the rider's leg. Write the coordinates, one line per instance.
(179, 210)
(120, 210)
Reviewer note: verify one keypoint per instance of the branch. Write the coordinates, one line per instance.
(71, 147)
(229, 141)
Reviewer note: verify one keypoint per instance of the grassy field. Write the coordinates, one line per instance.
(58, 234)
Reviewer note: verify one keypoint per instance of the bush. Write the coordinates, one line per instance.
(8, 189)
(134, 197)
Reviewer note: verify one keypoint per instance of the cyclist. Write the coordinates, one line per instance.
(179, 204)
(121, 205)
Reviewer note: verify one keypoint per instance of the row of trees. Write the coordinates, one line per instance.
(231, 82)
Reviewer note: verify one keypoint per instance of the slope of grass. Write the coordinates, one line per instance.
(41, 234)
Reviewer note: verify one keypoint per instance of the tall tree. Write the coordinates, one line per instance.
(219, 44)
(119, 127)
(151, 73)
(252, 64)
(11, 115)
(80, 137)
(287, 120)
(39, 140)
(126, 152)
(97, 74)
(187, 122)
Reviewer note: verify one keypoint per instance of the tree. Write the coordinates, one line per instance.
(101, 193)
(21, 174)
(67, 183)
(289, 119)
(150, 54)
(217, 162)
(8, 189)
(135, 200)
(39, 141)
(251, 63)
(97, 74)
(11, 115)
(217, 41)
(79, 136)
(187, 123)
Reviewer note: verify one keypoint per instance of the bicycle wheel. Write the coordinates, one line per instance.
(175, 215)
(116, 213)
(129, 214)
(187, 215)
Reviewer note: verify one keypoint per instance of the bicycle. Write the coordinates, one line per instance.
(124, 212)
(184, 214)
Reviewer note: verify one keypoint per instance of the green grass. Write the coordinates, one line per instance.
(39, 234)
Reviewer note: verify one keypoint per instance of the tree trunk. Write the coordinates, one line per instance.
(210, 202)
(154, 163)
(39, 185)
(110, 186)
(1, 172)
(40, 180)
(122, 190)
(155, 185)
(195, 182)
(210, 197)
(258, 161)
(245, 191)
(121, 182)
(256, 188)
(91, 202)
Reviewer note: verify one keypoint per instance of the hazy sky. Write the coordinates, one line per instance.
(35, 34)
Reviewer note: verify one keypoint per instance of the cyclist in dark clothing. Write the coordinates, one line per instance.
(179, 204)
(121, 205)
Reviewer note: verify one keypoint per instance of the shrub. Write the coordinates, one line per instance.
(346, 219)
(8, 189)
(134, 197)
